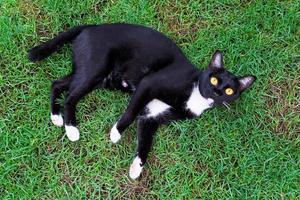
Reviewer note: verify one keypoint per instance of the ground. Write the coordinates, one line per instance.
(250, 151)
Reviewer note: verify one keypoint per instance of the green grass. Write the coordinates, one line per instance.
(251, 151)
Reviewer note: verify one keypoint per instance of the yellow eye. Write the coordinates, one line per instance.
(214, 81)
(229, 91)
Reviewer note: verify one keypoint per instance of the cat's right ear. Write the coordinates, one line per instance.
(216, 62)
(246, 82)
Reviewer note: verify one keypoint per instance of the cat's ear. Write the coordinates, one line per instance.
(216, 62)
(246, 82)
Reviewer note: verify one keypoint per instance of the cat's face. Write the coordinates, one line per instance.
(221, 85)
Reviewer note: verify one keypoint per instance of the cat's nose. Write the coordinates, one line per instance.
(217, 93)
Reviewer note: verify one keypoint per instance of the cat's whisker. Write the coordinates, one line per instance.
(226, 105)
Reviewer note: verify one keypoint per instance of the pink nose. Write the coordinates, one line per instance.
(124, 84)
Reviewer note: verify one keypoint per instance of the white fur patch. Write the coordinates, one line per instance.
(114, 135)
(124, 84)
(135, 168)
(57, 120)
(156, 107)
(197, 103)
(72, 133)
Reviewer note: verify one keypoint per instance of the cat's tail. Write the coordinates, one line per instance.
(46, 49)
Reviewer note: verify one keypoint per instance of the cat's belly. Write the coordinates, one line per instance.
(115, 82)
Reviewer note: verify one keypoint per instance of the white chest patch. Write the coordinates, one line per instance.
(197, 103)
(156, 107)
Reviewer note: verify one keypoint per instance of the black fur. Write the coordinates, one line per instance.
(137, 60)
(42, 51)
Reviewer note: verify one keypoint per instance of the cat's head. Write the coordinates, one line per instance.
(220, 85)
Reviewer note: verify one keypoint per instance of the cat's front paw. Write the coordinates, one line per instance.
(114, 135)
(135, 168)
(57, 120)
(72, 133)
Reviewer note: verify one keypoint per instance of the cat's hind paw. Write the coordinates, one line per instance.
(57, 120)
(114, 135)
(135, 168)
(72, 133)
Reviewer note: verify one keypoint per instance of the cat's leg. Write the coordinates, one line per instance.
(147, 126)
(79, 87)
(58, 87)
(137, 103)
(146, 130)
(89, 70)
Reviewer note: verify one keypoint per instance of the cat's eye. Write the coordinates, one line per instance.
(214, 81)
(229, 91)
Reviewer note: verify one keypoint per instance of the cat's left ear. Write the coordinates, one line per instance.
(216, 62)
(246, 82)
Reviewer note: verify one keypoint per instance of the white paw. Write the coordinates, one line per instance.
(135, 168)
(72, 133)
(57, 120)
(114, 135)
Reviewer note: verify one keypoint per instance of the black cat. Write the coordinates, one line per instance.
(165, 86)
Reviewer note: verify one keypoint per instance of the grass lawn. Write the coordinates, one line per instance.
(251, 151)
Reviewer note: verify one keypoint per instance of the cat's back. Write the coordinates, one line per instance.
(126, 31)
(136, 36)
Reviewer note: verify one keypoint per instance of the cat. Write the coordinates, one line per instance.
(164, 84)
